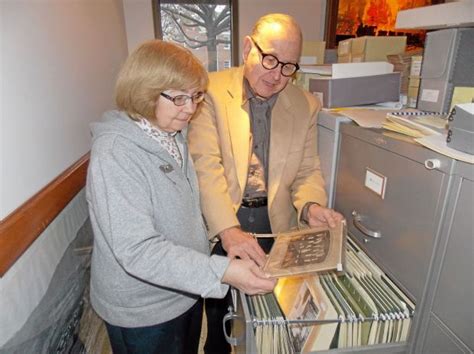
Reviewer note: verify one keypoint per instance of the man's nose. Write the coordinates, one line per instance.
(276, 72)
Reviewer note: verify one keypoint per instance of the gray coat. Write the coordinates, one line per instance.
(151, 253)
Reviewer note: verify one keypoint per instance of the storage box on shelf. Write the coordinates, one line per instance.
(354, 91)
(370, 48)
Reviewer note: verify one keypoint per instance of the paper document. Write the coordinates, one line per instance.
(415, 126)
(438, 143)
(367, 118)
(346, 70)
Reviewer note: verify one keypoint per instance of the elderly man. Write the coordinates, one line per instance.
(255, 151)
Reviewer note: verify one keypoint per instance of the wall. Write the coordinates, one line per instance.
(59, 59)
(138, 22)
(309, 13)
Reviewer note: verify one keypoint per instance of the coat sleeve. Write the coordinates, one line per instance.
(308, 185)
(120, 203)
(205, 146)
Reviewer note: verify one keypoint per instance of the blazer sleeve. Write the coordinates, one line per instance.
(205, 146)
(308, 185)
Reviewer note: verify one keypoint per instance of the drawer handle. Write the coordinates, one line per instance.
(232, 340)
(357, 221)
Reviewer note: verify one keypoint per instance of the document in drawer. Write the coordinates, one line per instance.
(307, 251)
(330, 310)
(312, 303)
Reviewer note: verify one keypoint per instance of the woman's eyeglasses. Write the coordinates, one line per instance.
(269, 62)
(181, 100)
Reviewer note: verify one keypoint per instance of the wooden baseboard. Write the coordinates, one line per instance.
(21, 228)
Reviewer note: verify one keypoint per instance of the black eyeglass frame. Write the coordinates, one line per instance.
(278, 62)
(197, 96)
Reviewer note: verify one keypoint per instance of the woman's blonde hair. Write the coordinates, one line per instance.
(156, 66)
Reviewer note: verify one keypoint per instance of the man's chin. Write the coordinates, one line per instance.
(265, 95)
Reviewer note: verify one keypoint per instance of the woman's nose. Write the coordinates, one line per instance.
(190, 106)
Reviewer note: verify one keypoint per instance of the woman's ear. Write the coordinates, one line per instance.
(247, 47)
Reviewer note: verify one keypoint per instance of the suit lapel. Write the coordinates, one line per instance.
(239, 129)
(281, 133)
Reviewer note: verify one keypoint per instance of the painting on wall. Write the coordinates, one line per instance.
(356, 18)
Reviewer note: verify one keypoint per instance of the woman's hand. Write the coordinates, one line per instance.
(247, 276)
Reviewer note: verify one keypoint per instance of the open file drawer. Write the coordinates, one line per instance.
(300, 317)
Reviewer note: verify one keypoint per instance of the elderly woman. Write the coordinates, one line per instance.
(151, 265)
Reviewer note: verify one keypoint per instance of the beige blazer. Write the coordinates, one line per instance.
(220, 143)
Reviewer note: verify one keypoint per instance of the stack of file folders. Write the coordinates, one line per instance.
(332, 310)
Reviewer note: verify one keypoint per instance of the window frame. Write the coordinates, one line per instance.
(234, 22)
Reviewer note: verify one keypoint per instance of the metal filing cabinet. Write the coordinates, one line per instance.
(411, 210)
(328, 142)
(449, 297)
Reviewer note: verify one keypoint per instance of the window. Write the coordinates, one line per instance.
(206, 27)
(226, 39)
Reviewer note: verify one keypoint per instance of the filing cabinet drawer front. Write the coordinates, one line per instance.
(454, 295)
(242, 328)
(440, 339)
(404, 214)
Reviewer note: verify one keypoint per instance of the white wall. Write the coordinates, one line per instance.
(138, 22)
(59, 60)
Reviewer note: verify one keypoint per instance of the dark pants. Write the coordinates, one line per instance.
(251, 220)
(177, 336)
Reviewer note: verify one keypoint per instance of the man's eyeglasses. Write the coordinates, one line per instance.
(269, 62)
(181, 100)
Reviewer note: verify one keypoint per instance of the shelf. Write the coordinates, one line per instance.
(452, 14)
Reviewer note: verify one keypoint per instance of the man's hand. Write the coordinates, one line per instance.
(246, 276)
(321, 216)
(240, 244)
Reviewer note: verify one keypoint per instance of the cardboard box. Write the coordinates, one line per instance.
(313, 52)
(344, 51)
(344, 58)
(344, 47)
(412, 98)
(356, 91)
(415, 66)
(414, 81)
(302, 79)
(369, 48)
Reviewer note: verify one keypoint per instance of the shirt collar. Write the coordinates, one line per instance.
(150, 129)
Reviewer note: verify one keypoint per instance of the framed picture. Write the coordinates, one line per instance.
(349, 18)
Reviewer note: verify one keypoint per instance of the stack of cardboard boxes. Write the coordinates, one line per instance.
(370, 48)
(414, 81)
(402, 64)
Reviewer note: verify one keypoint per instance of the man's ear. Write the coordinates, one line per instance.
(247, 47)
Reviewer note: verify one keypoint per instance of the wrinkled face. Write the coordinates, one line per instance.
(284, 45)
(171, 117)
